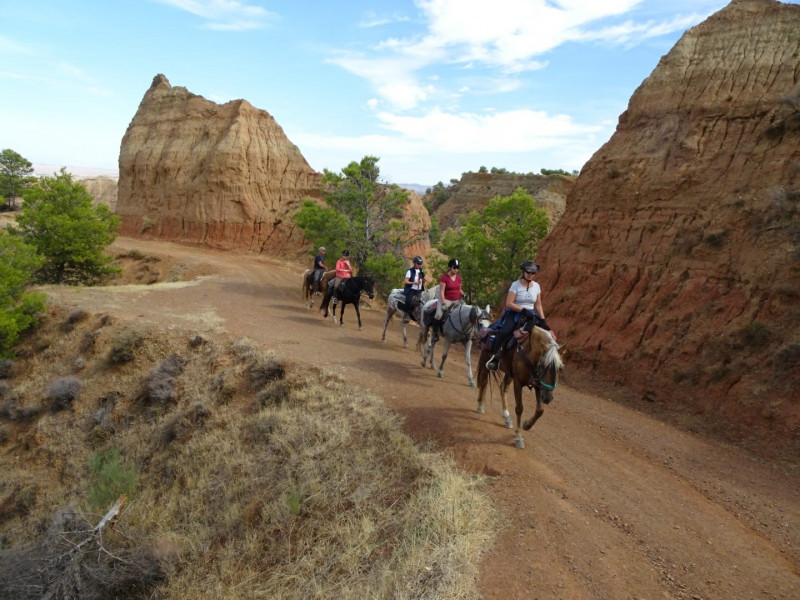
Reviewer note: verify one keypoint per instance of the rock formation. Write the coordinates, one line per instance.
(194, 171)
(102, 189)
(675, 269)
(474, 190)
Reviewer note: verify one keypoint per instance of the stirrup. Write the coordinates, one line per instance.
(493, 363)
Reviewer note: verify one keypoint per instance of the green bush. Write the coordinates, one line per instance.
(110, 477)
(18, 308)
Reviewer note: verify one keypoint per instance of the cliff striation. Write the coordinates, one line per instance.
(226, 176)
(675, 269)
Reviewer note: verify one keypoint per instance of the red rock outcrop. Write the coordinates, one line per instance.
(675, 269)
(194, 171)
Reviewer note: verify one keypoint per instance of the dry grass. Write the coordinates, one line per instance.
(256, 479)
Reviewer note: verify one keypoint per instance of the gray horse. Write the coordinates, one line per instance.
(461, 324)
(391, 308)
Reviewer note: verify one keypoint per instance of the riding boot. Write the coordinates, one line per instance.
(437, 328)
(494, 363)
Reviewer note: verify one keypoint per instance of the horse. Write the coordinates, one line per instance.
(396, 296)
(459, 325)
(534, 362)
(349, 293)
(310, 290)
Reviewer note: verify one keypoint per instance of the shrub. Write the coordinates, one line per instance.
(755, 334)
(122, 348)
(158, 386)
(262, 373)
(110, 477)
(62, 393)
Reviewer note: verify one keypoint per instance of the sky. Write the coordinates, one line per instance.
(433, 88)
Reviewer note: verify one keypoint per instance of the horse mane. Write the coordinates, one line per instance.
(551, 356)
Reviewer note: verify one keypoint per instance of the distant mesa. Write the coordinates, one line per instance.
(226, 176)
(675, 268)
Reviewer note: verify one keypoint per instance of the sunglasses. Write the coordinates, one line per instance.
(531, 272)
(455, 267)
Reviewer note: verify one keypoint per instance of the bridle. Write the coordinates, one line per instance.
(536, 372)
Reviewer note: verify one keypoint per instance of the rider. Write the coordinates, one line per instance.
(343, 271)
(319, 266)
(450, 293)
(413, 284)
(524, 298)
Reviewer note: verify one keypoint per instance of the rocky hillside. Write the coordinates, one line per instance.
(474, 190)
(194, 171)
(675, 269)
(103, 189)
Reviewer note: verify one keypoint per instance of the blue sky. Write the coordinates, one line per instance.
(434, 88)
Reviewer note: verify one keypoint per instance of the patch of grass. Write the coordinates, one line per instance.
(110, 477)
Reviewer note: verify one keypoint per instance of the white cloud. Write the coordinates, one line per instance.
(371, 19)
(10, 46)
(225, 15)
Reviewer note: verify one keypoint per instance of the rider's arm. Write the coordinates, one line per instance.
(441, 290)
(510, 301)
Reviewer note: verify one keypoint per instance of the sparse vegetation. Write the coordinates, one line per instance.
(261, 486)
(62, 393)
(19, 309)
(123, 347)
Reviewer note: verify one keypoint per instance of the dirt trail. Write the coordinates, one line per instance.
(604, 503)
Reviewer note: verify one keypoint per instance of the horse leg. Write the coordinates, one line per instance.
(467, 352)
(389, 313)
(444, 355)
(358, 314)
(403, 331)
(483, 380)
(539, 410)
(518, 441)
(504, 389)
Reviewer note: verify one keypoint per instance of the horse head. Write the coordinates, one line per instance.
(543, 351)
(369, 287)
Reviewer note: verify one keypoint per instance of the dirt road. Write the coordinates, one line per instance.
(604, 503)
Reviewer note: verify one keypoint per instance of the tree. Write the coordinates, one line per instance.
(363, 215)
(60, 222)
(18, 309)
(15, 176)
(492, 244)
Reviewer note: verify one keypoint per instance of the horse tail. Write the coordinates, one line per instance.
(305, 284)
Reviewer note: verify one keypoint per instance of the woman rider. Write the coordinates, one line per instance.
(524, 297)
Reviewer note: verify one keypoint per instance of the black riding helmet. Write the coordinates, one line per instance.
(530, 266)
(417, 260)
(454, 263)
(345, 252)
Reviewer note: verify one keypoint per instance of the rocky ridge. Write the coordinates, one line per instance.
(474, 190)
(675, 269)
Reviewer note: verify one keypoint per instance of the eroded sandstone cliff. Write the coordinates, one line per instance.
(675, 269)
(194, 171)
(474, 190)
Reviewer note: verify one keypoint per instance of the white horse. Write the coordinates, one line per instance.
(391, 307)
(460, 324)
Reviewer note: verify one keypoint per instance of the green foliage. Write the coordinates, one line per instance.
(559, 172)
(110, 477)
(492, 244)
(59, 220)
(483, 169)
(387, 270)
(15, 175)
(18, 309)
(498, 170)
(362, 215)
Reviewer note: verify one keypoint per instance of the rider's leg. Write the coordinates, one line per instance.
(500, 341)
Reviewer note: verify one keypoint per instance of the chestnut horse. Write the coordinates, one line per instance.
(533, 362)
(310, 289)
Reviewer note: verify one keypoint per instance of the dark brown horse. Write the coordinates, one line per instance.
(532, 362)
(310, 289)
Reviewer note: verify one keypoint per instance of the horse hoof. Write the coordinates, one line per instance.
(481, 410)
(519, 443)
(440, 375)
(472, 384)
(360, 328)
